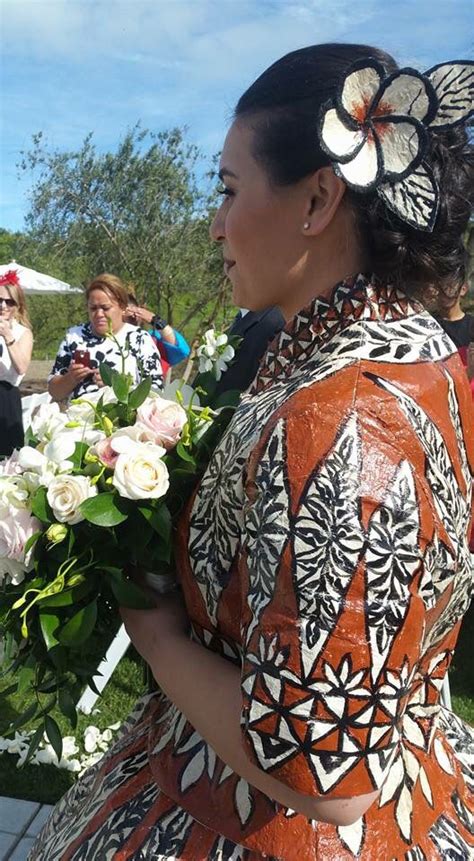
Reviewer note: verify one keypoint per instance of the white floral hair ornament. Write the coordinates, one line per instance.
(377, 131)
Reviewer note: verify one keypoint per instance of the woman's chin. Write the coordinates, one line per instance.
(100, 330)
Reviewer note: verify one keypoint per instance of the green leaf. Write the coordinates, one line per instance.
(32, 540)
(184, 453)
(80, 627)
(121, 386)
(106, 372)
(67, 706)
(128, 594)
(159, 552)
(49, 624)
(105, 509)
(35, 741)
(40, 506)
(78, 454)
(227, 399)
(23, 718)
(138, 395)
(25, 679)
(159, 519)
(59, 657)
(12, 689)
(54, 735)
(71, 541)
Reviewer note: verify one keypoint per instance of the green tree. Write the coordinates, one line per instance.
(139, 212)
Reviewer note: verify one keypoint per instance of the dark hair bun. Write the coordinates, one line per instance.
(283, 106)
(425, 263)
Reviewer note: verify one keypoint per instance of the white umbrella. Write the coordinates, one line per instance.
(36, 282)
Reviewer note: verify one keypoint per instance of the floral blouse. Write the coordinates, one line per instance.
(141, 355)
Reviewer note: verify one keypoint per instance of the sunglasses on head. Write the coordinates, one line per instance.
(10, 303)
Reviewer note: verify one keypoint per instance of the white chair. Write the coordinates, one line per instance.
(115, 653)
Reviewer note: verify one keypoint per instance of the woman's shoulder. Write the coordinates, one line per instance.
(19, 329)
(136, 335)
(81, 332)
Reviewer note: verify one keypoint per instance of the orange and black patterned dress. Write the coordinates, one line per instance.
(326, 554)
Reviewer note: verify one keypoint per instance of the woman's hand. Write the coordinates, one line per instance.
(148, 628)
(98, 379)
(6, 330)
(77, 373)
(62, 385)
(141, 314)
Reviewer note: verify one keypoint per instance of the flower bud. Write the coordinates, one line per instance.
(56, 533)
(108, 425)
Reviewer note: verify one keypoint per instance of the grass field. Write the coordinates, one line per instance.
(46, 783)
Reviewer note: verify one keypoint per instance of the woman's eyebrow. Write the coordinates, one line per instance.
(225, 171)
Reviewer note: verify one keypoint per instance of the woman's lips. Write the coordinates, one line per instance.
(228, 264)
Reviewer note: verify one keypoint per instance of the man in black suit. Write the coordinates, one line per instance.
(256, 329)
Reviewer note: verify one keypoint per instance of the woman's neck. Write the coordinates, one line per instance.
(319, 277)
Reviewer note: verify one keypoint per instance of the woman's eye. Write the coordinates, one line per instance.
(227, 192)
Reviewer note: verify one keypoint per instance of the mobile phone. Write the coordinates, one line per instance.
(82, 357)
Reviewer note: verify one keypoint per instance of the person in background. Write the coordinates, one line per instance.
(459, 325)
(16, 345)
(76, 368)
(172, 345)
(256, 330)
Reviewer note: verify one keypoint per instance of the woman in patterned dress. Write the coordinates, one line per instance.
(72, 375)
(323, 559)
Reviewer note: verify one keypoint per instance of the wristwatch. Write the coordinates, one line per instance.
(158, 322)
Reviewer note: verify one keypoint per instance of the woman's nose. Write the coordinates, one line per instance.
(217, 228)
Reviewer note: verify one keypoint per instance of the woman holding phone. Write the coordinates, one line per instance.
(105, 338)
(16, 344)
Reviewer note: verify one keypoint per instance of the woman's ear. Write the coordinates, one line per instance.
(324, 194)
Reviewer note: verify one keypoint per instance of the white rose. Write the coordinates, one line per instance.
(140, 473)
(65, 494)
(14, 491)
(137, 433)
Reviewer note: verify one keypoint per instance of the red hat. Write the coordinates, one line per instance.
(10, 277)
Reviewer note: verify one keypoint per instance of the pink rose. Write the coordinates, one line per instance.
(14, 533)
(164, 419)
(105, 451)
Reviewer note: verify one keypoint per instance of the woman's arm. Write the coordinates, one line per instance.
(20, 349)
(61, 385)
(206, 688)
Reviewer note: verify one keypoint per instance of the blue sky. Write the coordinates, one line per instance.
(69, 67)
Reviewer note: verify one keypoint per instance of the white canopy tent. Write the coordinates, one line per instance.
(36, 282)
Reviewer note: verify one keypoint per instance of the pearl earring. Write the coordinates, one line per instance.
(306, 225)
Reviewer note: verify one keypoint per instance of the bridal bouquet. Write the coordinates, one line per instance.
(88, 502)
